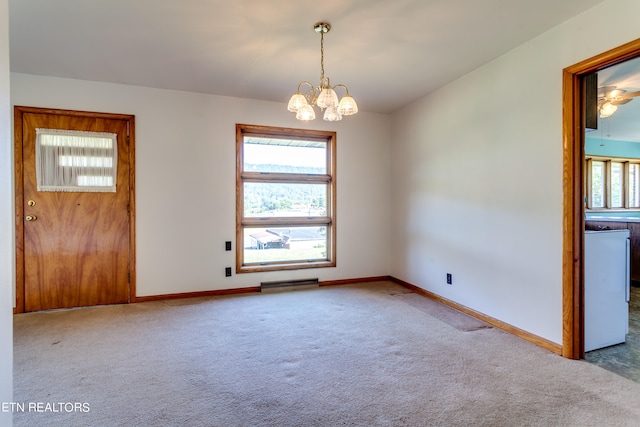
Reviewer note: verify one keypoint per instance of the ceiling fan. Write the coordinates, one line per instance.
(609, 97)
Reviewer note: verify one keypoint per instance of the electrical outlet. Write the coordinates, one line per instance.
(227, 272)
(227, 246)
(449, 279)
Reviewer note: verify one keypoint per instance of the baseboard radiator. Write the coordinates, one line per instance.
(288, 285)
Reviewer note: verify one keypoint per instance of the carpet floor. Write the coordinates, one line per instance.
(358, 355)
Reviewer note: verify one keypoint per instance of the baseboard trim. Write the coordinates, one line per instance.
(539, 341)
(251, 289)
(198, 294)
(354, 281)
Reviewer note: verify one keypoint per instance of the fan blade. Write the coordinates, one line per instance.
(629, 95)
(620, 101)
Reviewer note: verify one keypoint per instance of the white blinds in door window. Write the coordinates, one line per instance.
(80, 161)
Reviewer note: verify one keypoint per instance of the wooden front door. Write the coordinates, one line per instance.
(74, 247)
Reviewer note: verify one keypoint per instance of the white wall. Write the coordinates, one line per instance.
(477, 177)
(185, 176)
(6, 222)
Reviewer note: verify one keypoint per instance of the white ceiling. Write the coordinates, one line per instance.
(624, 124)
(388, 52)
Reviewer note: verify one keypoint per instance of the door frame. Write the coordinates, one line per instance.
(573, 193)
(19, 111)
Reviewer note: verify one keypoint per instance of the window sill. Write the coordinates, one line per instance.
(284, 266)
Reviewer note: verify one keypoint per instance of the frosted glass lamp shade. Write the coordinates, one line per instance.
(347, 106)
(607, 110)
(327, 98)
(331, 114)
(296, 102)
(306, 113)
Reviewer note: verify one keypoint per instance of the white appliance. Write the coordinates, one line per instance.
(606, 288)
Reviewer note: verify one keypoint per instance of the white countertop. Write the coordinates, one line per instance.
(611, 218)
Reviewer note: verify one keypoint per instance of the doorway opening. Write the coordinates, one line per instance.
(575, 119)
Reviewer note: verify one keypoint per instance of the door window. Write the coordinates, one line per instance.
(68, 160)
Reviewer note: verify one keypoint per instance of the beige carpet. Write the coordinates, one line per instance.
(356, 355)
(441, 312)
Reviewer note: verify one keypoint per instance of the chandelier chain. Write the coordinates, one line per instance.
(322, 58)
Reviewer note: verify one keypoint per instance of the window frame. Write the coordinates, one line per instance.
(607, 183)
(328, 179)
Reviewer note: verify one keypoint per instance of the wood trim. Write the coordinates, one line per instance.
(300, 221)
(332, 196)
(588, 187)
(354, 281)
(284, 177)
(19, 112)
(625, 185)
(520, 333)
(274, 132)
(611, 158)
(283, 265)
(198, 294)
(19, 207)
(77, 113)
(239, 198)
(572, 221)
(573, 206)
(607, 185)
(131, 135)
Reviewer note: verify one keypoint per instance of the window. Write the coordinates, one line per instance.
(78, 161)
(612, 183)
(597, 184)
(285, 190)
(616, 184)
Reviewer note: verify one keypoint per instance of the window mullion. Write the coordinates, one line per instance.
(625, 185)
(631, 197)
(607, 184)
(285, 178)
(589, 186)
(279, 221)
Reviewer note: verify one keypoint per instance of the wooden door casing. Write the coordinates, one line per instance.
(80, 250)
(573, 197)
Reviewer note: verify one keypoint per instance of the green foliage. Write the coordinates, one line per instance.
(597, 180)
(278, 197)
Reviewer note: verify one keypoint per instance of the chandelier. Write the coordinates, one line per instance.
(324, 95)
